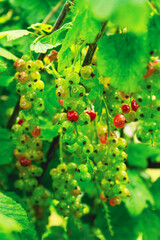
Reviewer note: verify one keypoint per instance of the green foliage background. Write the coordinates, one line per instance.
(137, 217)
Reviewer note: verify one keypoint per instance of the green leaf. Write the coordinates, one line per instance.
(155, 189)
(157, 4)
(55, 233)
(8, 224)
(14, 34)
(7, 146)
(154, 33)
(139, 153)
(132, 14)
(6, 54)
(33, 11)
(14, 211)
(3, 65)
(123, 57)
(56, 38)
(140, 195)
(123, 225)
(39, 47)
(84, 18)
(148, 224)
(80, 231)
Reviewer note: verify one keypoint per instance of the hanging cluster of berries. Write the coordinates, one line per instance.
(103, 163)
(29, 84)
(148, 99)
(26, 137)
(67, 191)
(111, 171)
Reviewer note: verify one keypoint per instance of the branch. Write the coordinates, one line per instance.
(57, 24)
(14, 115)
(52, 12)
(93, 46)
(49, 156)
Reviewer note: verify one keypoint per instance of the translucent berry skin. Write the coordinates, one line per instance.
(19, 65)
(125, 108)
(86, 72)
(134, 105)
(72, 116)
(25, 162)
(92, 114)
(22, 77)
(119, 121)
(36, 131)
(115, 201)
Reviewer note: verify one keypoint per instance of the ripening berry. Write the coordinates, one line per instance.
(134, 105)
(36, 131)
(125, 108)
(61, 102)
(115, 201)
(39, 85)
(30, 65)
(25, 162)
(72, 116)
(86, 72)
(72, 78)
(102, 197)
(92, 114)
(38, 65)
(35, 76)
(19, 65)
(24, 104)
(22, 77)
(119, 121)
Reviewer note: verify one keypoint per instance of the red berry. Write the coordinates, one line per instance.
(119, 121)
(92, 114)
(36, 131)
(72, 116)
(134, 105)
(25, 162)
(125, 108)
(20, 121)
(61, 101)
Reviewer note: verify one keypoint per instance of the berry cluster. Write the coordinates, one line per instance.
(111, 171)
(26, 137)
(66, 187)
(76, 124)
(149, 112)
(29, 84)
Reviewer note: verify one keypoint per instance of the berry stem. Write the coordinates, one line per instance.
(108, 116)
(107, 216)
(61, 147)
